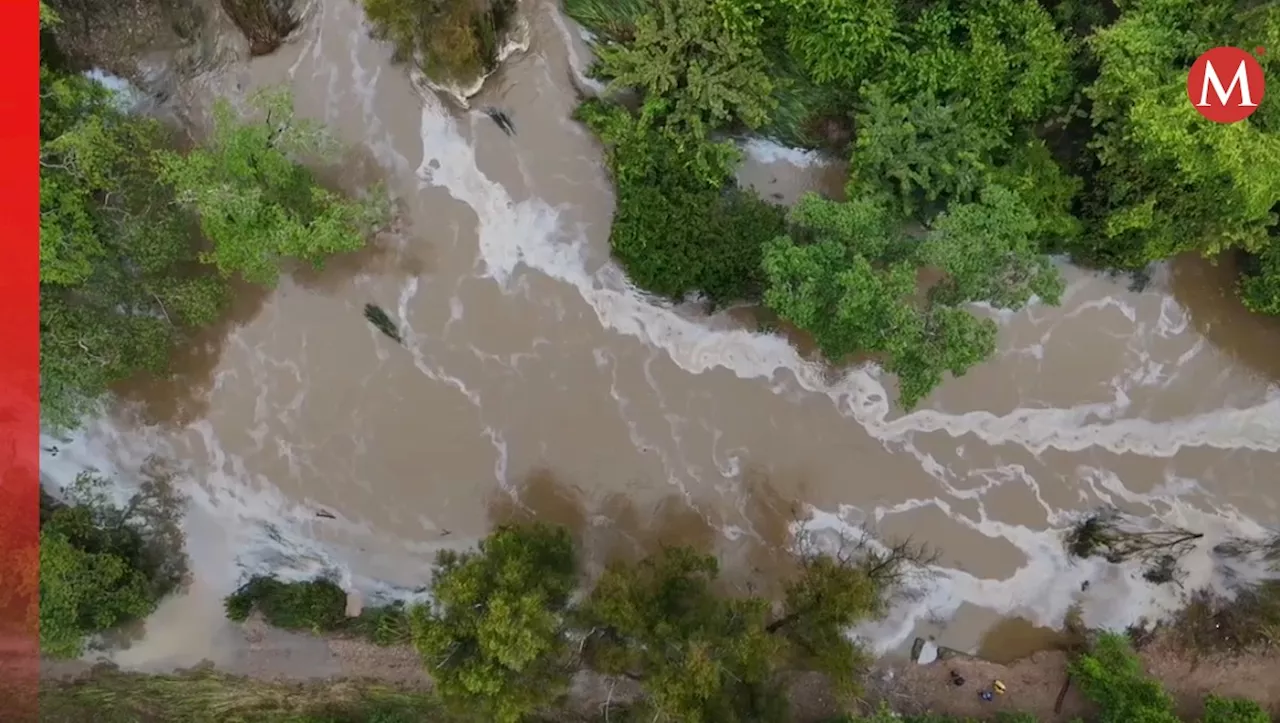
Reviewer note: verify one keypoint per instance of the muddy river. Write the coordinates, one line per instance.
(535, 381)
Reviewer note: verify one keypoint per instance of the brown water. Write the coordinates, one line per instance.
(533, 381)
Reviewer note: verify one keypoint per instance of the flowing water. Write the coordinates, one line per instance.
(534, 380)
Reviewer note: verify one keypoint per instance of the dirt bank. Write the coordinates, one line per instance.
(1033, 683)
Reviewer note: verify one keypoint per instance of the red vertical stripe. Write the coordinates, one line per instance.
(19, 358)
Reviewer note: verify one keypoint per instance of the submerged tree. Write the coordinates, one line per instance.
(1114, 537)
(120, 282)
(847, 274)
(103, 565)
(450, 40)
(493, 637)
(256, 203)
(266, 23)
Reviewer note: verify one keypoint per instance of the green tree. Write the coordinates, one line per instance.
(847, 275)
(697, 73)
(701, 656)
(989, 253)
(493, 639)
(119, 278)
(1111, 675)
(452, 40)
(1233, 710)
(256, 204)
(920, 150)
(1004, 58)
(102, 565)
(681, 225)
(842, 41)
(705, 654)
(1166, 179)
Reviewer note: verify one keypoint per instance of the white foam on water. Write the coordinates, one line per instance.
(763, 150)
(259, 531)
(529, 233)
(237, 523)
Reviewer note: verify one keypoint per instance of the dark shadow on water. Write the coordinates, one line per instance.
(395, 251)
(182, 395)
(1208, 292)
(1013, 639)
(618, 528)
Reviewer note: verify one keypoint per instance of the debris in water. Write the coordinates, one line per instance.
(502, 119)
(379, 319)
(326, 515)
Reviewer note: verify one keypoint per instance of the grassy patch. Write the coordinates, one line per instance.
(608, 19)
(110, 696)
(808, 115)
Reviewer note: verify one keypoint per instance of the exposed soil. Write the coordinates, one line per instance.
(1034, 683)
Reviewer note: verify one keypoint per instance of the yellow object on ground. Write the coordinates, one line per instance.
(998, 687)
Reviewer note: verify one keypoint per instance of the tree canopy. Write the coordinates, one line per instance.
(986, 135)
(103, 565)
(493, 638)
(139, 242)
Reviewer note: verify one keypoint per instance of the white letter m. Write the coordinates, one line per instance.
(1241, 78)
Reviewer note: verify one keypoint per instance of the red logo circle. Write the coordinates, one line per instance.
(1226, 85)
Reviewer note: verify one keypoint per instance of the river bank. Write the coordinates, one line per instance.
(273, 664)
(524, 345)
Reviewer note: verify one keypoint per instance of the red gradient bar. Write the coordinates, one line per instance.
(19, 358)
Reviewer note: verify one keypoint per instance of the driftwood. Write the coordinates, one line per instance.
(1112, 536)
(502, 119)
(382, 322)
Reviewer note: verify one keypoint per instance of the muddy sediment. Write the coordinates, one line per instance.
(524, 353)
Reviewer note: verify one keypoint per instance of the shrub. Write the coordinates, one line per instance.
(448, 39)
(682, 225)
(101, 565)
(266, 23)
(315, 605)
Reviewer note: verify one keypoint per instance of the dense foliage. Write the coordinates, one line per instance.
(682, 225)
(450, 40)
(255, 203)
(988, 134)
(493, 639)
(138, 243)
(512, 620)
(103, 565)
(503, 633)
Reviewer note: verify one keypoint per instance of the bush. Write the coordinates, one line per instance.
(102, 566)
(682, 225)
(316, 605)
(450, 40)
